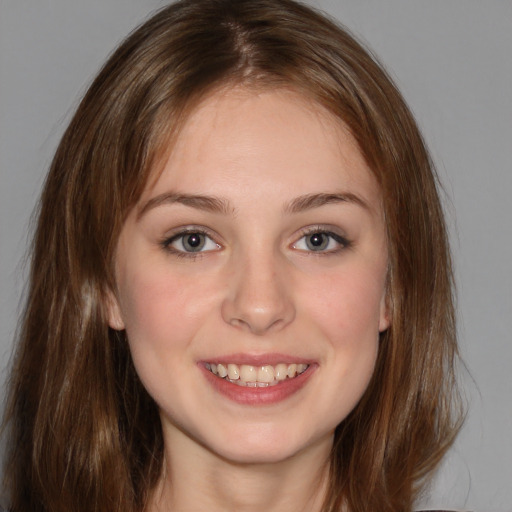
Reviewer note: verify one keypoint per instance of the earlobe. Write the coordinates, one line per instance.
(385, 314)
(115, 320)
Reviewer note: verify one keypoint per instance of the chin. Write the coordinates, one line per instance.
(266, 455)
(264, 447)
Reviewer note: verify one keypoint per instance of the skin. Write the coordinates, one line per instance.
(255, 288)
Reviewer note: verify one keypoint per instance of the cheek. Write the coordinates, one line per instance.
(162, 314)
(161, 310)
(347, 313)
(348, 305)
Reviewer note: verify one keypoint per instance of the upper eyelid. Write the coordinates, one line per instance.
(176, 233)
(167, 240)
(327, 229)
(339, 238)
(180, 231)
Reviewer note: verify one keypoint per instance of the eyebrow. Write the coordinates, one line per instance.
(200, 202)
(310, 201)
(219, 205)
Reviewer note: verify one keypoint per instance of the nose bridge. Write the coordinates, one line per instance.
(259, 298)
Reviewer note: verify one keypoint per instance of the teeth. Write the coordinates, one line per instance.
(248, 373)
(233, 372)
(266, 374)
(222, 371)
(256, 376)
(301, 368)
(281, 371)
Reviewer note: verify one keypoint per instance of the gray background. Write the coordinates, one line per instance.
(451, 59)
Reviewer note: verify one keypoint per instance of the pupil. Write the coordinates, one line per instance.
(194, 242)
(317, 241)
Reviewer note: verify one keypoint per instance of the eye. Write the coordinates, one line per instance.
(191, 242)
(321, 241)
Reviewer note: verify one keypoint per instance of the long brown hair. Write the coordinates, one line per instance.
(84, 434)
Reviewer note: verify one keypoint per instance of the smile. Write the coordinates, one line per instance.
(256, 376)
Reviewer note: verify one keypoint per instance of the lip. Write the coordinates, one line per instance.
(257, 359)
(258, 396)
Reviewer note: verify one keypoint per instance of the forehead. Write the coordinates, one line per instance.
(277, 138)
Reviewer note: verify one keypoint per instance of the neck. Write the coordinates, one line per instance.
(197, 479)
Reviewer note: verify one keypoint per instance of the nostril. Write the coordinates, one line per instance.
(262, 322)
(258, 299)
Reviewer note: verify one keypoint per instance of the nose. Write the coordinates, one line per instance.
(259, 297)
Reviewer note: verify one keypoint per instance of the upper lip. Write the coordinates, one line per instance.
(258, 359)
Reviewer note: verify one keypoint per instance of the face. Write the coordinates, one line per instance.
(251, 278)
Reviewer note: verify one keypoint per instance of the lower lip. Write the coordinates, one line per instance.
(259, 396)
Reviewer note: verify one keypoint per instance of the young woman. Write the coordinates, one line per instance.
(241, 290)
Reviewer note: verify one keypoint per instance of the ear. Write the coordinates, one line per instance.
(114, 317)
(385, 313)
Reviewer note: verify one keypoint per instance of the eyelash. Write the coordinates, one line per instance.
(167, 242)
(343, 243)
